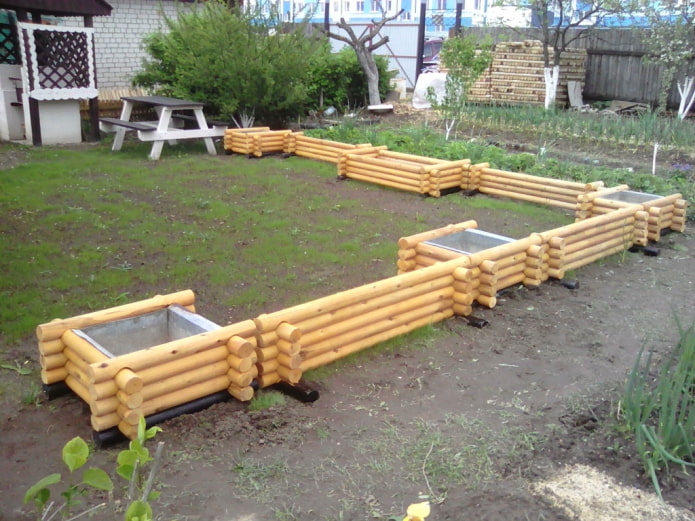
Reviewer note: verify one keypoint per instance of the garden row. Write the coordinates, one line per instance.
(434, 282)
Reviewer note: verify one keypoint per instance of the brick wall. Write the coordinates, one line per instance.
(119, 38)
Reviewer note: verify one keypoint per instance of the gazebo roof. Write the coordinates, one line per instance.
(59, 7)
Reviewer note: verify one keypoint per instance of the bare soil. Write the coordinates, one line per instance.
(473, 419)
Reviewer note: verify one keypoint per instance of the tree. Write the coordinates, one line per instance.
(238, 61)
(560, 23)
(671, 43)
(364, 46)
(465, 60)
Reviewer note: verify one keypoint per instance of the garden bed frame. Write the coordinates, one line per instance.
(432, 284)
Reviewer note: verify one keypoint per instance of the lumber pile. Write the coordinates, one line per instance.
(256, 141)
(516, 76)
(408, 172)
(668, 212)
(525, 187)
(122, 389)
(319, 149)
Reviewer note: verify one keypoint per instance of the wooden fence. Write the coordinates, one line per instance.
(615, 69)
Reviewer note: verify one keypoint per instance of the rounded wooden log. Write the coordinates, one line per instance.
(105, 406)
(291, 362)
(74, 371)
(374, 166)
(406, 265)
(289, 332)
(83, 348)
(537, 188)
(292, 376)
(243, 394)
(174, 350)
(128, 381)
(510, 280)
(185, 394)
(489, 267)
(373, 339)
(129, 416)
(487, 300)
(54, 361)
(165, 370)
(239, 364)
(55, 329)
(435, 252)
(579, 262)
(53, 376)
(426, 261)
(487, 279)
(269, 366)
(527, 198)
(405, 254)
(267, 353)
(400, 186)
(165, 386)
(580, 187)
(266, 380)
(408, 243)
(51, 347)
(487, 290)
(269, 322)
(240, 347)
(463, 309)
(361, 316)
(571, 229)
(102, 423)
(289, 348)
(241, 379)
(78, 388)
(393, 322)
(463, 274)
(466, 299)
(597, 240)
(328, 319)
(128, 430)
(132, 401)
(76, 360)
(601, 249)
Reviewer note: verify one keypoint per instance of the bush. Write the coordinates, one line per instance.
(236, 61)
(337, 79)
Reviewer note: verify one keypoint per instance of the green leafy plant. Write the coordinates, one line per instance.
(337, 79)
(465, 59)
(130, 465)
(662, 414)
(239, 61)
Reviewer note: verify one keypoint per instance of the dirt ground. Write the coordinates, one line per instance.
(485, 423)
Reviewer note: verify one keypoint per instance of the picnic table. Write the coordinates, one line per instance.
(172, 114)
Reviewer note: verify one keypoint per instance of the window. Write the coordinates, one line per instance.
(359, 6)
(441, 5)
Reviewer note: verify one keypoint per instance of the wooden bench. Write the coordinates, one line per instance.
(192, 119)
(107, 124)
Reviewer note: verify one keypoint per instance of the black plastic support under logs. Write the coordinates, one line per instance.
(113, 435)
(56, 390)
(300, 391)
(570, 284)
(476, 322)
(649, 251)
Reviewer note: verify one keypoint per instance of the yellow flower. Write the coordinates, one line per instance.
(417, 511)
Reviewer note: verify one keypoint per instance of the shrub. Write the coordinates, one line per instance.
(235, 60)
(337, 79)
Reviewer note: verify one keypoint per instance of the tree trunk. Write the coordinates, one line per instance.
(687, 91)
(369, 67)
(552, 78)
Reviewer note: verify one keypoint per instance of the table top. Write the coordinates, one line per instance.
(163, 101)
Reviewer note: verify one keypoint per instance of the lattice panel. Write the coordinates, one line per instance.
(9, 50)
(62, 59)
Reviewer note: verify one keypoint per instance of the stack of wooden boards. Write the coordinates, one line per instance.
(432, 284)
(516, 77)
